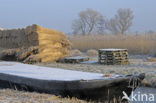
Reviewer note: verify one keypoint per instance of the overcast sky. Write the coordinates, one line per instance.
(59, 14)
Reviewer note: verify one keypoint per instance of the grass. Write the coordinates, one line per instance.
(137, 65)
(136, 44)
(14, 96)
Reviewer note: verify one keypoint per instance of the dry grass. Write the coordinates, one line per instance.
(151, 59)
(52, 45)
(75, 52)
(136, 44)
(1, 49)
(137, 65)
(14, 96)
(92, 52)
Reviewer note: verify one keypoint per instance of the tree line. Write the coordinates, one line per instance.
(91, 21)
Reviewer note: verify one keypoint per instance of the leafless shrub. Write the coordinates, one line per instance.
(75, 52)
(92, 52)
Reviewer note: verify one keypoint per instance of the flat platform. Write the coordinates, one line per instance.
(47, 73)
(77, 59)
(83, 85)
(112, 49)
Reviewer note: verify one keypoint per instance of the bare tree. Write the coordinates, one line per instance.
(87, 22)
(121, 22)
(111, 25)
(101, 26)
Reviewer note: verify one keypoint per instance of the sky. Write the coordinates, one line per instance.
(59, 14)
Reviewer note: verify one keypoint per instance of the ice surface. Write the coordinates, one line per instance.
(112, 49)
(89, 62)
(47, 73)
(77, 57)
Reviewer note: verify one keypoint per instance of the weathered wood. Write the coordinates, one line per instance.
(113, 56)
(99, 90)
(77, 59)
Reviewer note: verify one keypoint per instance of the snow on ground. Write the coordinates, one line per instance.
(46, 73)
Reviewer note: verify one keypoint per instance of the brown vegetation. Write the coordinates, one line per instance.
(92, 52)
(51, 45)
(136, 44)
(20, 54)
(1, 28)
(149, 59)
(14, 96)
(75, 52)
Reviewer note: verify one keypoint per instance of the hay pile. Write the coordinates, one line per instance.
(1, 28)
(19, 54)
(53, 45)
(34, 44)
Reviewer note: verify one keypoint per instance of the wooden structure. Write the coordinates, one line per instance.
(83, 85)
(113, 56)
(77, 59)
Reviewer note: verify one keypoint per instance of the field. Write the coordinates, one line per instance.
(14, 96)
(136, 44)
(140, 47)
(142, 50)
(138, 64)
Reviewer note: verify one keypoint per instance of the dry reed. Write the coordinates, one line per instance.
(52, 45)
(136, 44)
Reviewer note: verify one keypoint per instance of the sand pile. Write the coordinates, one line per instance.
(34, 44)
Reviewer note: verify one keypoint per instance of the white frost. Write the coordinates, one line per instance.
(46, 73)
(112, 49)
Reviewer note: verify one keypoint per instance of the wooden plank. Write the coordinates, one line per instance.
(88, 86)
(77, 59)
(96, 90)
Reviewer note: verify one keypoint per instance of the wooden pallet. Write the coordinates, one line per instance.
(113, 56)
(77, 59)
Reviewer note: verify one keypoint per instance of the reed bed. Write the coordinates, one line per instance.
(136, 44)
